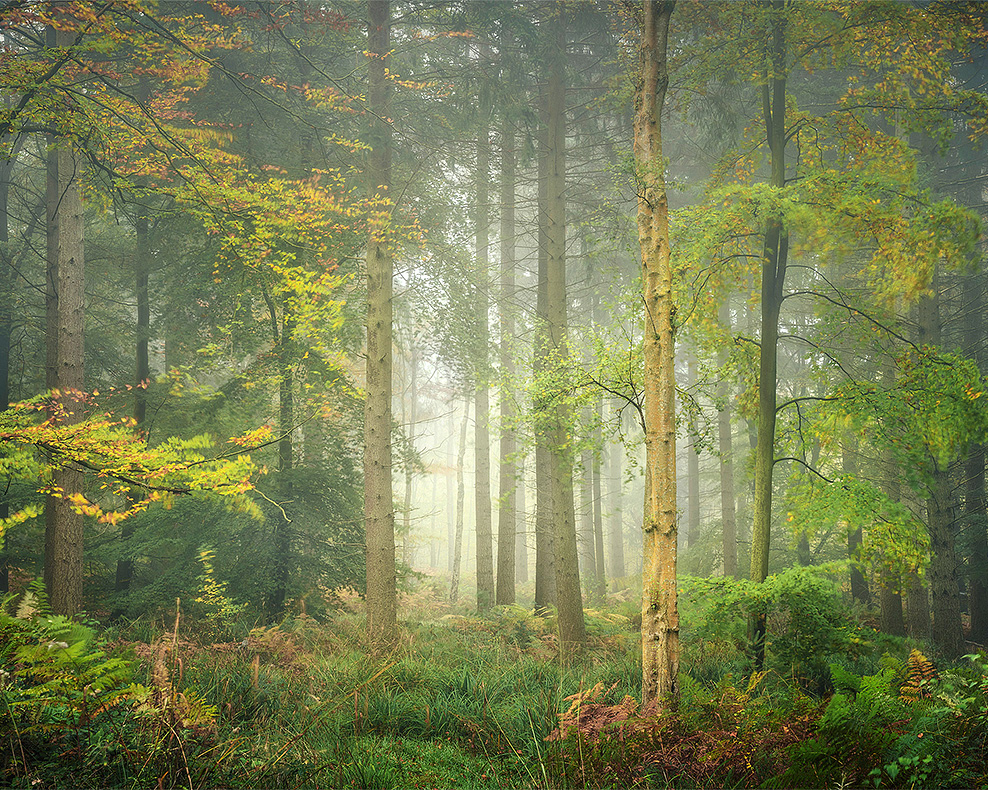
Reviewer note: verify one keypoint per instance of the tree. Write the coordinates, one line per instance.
(382, 622)
(660, 616)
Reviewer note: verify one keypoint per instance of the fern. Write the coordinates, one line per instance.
(920, 673)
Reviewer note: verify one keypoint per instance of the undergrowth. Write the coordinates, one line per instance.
(468, 701)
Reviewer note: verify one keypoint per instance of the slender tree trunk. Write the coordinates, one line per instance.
(917, 607)
(615, 510)
(890, 585)
(600, 578)
(521, 528)
(586, 544)
(379, 524)
(774, 262)
(457, 552)
(411, 398)
(728, 505)
(286, 464)
(545, 554)
(508, 477)
(482, 437)
(660, 616)
(859, 584)
(569, 596)
(692, 467)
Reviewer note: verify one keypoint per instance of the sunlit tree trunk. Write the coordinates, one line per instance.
(508, 476)
(379, 524)
(64, 370)
(775, 253)
(660, 616)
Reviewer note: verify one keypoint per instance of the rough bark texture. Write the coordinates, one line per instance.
(660, 616)
(569, 596)
(379, 524)
(508, 477)
(977, 525)
(945, 600)
(64, 372)
(482, 434)
(775, 253)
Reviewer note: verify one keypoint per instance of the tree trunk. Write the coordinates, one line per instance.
(977, 525)
(774, 262)
(410, 420)
(457, 552)
(379, 524)
(692, 468)
(943, 571)
(545, 554)
(508, 477)
(615, 511)
(660, 615)
(521, 528)
(600, 578)
(482, 436)
(569, 596)
(728, 506)
(63, 573)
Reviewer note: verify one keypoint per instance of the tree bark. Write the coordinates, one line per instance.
(545, 554)
(457, 553)
(660, 615)
(775, 253)
(379, 524)
(569, 596)
(508, 477)
(728, 505)
(482, 436)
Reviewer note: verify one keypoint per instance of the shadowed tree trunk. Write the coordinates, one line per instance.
(64, 299)
(775, 255)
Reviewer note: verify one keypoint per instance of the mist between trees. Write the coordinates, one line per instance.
(505, 304)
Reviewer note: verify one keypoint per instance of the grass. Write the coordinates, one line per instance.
(466, 701)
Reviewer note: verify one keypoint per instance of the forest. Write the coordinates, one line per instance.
(493, 393)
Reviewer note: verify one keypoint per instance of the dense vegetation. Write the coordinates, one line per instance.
(529, 394)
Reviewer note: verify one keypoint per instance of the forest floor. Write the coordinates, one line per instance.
(475, 701)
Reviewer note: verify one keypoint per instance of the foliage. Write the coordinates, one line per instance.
(808, 622)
